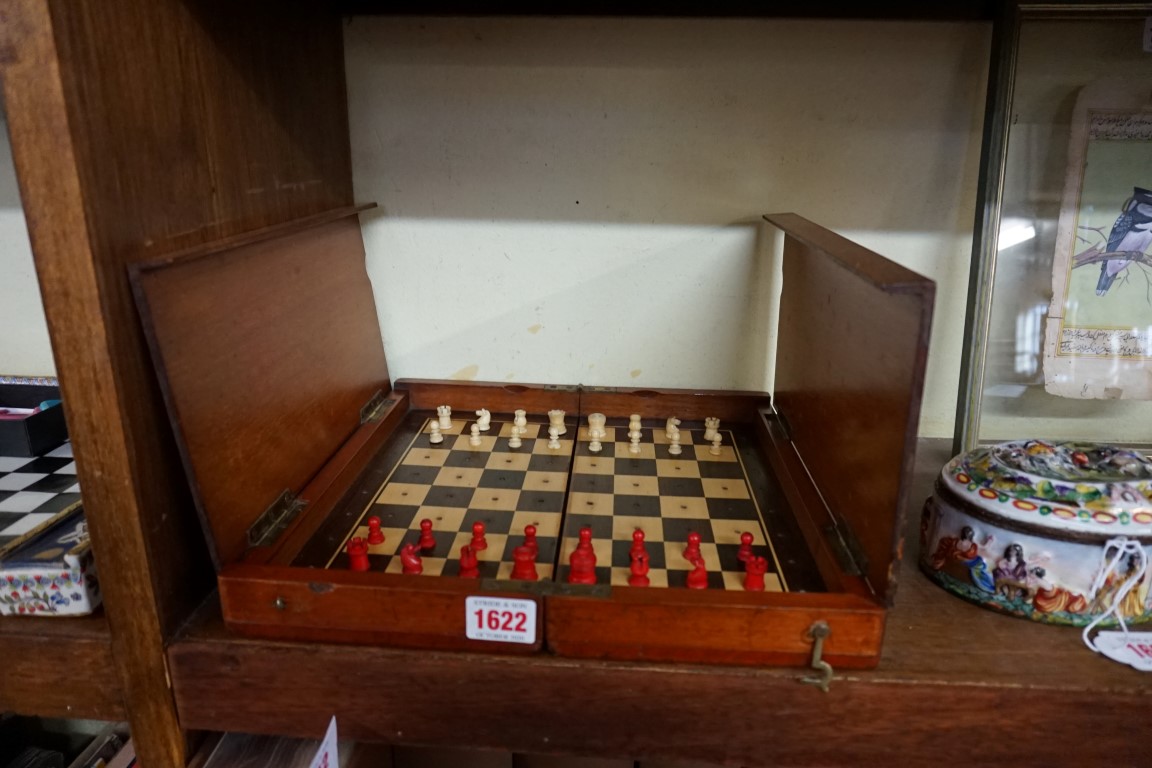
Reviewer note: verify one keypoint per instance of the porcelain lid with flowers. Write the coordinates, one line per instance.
(1071, 486)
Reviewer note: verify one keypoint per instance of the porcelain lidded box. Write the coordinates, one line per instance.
(1025, 527)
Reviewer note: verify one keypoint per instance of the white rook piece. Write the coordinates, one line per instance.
(474, 440)
(484, 419)
(711, 424)
(434, 428)
(556, 419)
(445, 414)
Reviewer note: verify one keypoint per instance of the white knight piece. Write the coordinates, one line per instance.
(711, 424)
(484, 419)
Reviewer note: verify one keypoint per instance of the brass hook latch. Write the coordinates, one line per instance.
(818, 632)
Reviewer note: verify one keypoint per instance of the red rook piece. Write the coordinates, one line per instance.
(744, 554)
(530, 540)
(692, 551)
(524, 564)
(357, 554)
(698, 577)
(410, 560)
(375, 535)
(582, 561)
(427, 540)
(478, 540)
(469, 564)
(754, 571)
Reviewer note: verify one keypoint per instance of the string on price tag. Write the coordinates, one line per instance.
(1132, 648)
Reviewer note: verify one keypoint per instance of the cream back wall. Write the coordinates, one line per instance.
(578, 200)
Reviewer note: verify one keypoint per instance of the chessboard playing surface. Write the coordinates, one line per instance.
(615, 492)
(455, 485)
(34, 490)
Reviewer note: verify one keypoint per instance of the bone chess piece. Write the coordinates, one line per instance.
(444, 412)
(596, 423)
(672, 425)
(474, 440)
(553, 437)
(484, 419)
(521, 420)
(716, 441)
(434, 436)
(514, 439)
(711, 424)
(556, 419)
(674, 446)
(594, 445)
(634, 424)
(634, 441)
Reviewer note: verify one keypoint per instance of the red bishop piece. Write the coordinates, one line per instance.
(524, 564)
(744, 554)
(357, 554)
(698, 576)
(427, 540)
(639, 575)
(478, 540)
(692, 551)
(375, 535)
(754, 571)
(637, 542)
(530, 539)
(410, 560)
(469, 564)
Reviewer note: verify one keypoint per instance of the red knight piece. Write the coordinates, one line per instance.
(744, 554)
(478, 540)
(375, 535)
(410, 560)
(698, 577)
(469, 564)
(427, 540)
(357, 554)
(639, 576)
(754, 571)
(524, 564)
(530, 539)
(692, 551)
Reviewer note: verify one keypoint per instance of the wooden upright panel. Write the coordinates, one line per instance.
(139, 127)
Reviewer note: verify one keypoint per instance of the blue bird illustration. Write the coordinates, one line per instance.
(1132, 232)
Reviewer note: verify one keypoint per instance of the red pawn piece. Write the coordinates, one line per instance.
(410, 560)
(469, 564)
(754, 571)
(692, 551)
(639, 576)
(530, 539)
(357, 554)
(637, 542)
(524, 564)
(744, 554)
(698, 577)
(375, 535)
(427, 540)
(478, 540)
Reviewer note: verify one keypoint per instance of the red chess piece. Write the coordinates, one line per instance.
(427, 540)
(530, 539)
(375, 535)
(639, 577)
(524, 564)
(744, 554)
(637, 542)
(692, 551)
(585, 542)
(698, 576)
(754, 571)
(357, 554)
(469, 564)
(582, 561)
(410, 560)
(478, 540)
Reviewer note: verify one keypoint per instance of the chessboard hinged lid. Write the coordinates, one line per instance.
(269, 356)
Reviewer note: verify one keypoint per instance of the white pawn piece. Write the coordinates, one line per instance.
(445, 414)
(672, 425)
(474, 440)
(434, 437)
(594, 445)
(716, 440)
(521, 420)
(553, 438)
(711, 424)
(674, 447)
(484, 419)
(556, 419)
(634, 437)
(514, 440)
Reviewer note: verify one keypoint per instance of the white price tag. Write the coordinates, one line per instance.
(1148, 35)
(500, 619)
(328, 755)
(1133, 649)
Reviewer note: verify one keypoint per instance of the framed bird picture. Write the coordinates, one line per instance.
(1058, 337)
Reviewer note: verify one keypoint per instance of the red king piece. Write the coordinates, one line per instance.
(357, 554)
(375, 535)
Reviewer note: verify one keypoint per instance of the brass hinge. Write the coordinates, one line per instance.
(275, 519)
(547, 588)
(374, 409)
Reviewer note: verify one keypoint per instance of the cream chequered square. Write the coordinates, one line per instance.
(725, 488)
(433, 566)
(660, 437)
(547, 523)
(635, 485)
(530, 431)
(601, 547)
(443, 518)
(647, 451)
(581, 503)
(408, 494)
(594, 465)
(674, 556)
(487, 443)
(496, 499)
(427, 457)
(703, 453)
(681, 467)
(515, 461)
(541, 447)
(391, 545)
(458, 477)
(536, 480)
(692, 507)
(657, 577)
(543, 570)
(494, 552)
(623, 527)
(609, 435)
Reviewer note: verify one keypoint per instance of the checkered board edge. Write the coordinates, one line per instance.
(455, 484)
(615, 492)
(35, 490)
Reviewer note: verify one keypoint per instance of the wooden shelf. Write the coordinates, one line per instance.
(950, 673)
(59, 667)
